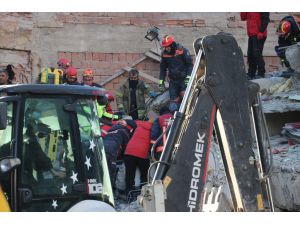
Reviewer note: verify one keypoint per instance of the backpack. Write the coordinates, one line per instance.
(51, 75)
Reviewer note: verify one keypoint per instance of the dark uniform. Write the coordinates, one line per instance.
(114, 144)
(292, 36)
(179, 65)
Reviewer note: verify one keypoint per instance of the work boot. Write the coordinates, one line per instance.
(288, 73)
(250, 76)
(259, 76)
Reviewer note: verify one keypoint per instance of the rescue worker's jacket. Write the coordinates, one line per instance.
(101, 109)
(117, 138)
(139, 144)
(179, 65)
(123, 97)
(257, 22)
(159, 127)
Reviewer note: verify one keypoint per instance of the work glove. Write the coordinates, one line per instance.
(260, 36)
(116, 117)
(120, 113)
(153, 94)
(187, 79)
(161, 86)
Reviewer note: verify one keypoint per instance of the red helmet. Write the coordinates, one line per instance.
(63, 63)
(167, 41)
(88, 72)
(72, 72)
(284, 28)
(109, 95)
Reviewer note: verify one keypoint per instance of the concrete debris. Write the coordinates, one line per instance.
(285, 179)
(159, 102)
(292, 54)
(269, 86)
(292, 132)
(123, 206)
(280, 94)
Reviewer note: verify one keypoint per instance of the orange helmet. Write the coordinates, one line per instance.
(72, 72)
(284, 28)
(167, 40)
(88, 72)
(63, 63)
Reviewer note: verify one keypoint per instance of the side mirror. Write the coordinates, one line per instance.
(9, 164)
(3, 115)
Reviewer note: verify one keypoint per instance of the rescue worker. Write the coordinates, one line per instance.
(88, 79)
(136, 156)
(110, 99)
(71, 76)
(257, 23)
(159, 128)
(130, 96)
(177, 61)
(104, 116)
(288, 34)
(11, 74)
(64, 65)
(115, 143)
(4, 77)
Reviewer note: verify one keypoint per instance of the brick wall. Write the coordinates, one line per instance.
(106, 64)
(144, 19)
(106, 42)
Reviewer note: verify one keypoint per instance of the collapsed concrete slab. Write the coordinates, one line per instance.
(285, 179)
(292, 54)
(281, 104)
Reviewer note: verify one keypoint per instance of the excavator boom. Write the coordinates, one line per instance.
(219, 103)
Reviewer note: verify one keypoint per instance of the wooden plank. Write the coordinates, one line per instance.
(114, 76)
(153, 56)
(121, 71)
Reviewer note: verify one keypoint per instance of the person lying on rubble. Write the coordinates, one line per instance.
(136, 156)
(115, 143)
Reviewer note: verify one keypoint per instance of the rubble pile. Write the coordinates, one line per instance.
(285, 179)
(282, 95)
(292, 131)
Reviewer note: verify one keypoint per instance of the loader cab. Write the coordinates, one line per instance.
(54, 131)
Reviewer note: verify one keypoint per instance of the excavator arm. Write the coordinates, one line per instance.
(219, 103)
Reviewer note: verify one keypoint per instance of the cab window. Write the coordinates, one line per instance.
(49, 167)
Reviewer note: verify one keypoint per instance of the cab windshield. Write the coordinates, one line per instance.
(52, 164)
